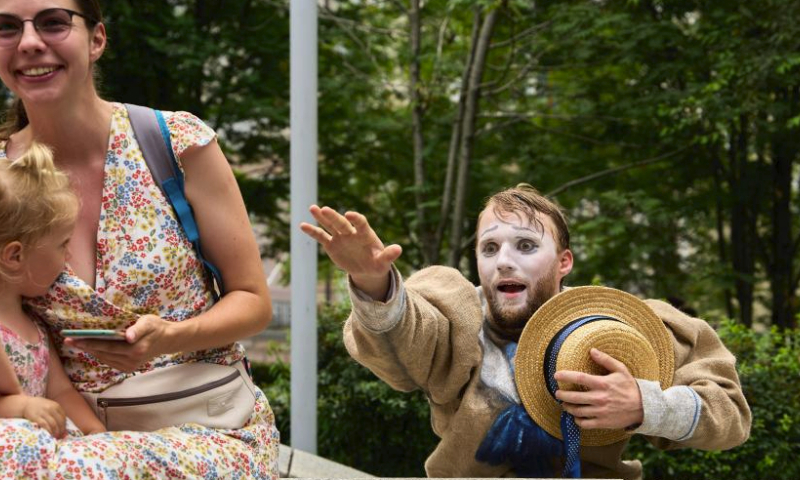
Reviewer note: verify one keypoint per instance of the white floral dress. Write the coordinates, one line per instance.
(145, 264)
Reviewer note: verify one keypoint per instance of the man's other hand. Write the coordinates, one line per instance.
(612, 401)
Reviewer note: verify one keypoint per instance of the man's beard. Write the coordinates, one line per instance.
(511, 320)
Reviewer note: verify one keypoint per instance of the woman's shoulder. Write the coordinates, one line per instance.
(186, 129)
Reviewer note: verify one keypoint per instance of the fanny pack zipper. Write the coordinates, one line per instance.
(105, 403)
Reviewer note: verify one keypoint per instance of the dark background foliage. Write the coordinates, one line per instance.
(667, 130)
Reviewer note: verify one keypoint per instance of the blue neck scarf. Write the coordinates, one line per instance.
(516, 439)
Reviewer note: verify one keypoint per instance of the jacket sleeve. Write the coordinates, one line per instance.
(424, 337)
(704, 364)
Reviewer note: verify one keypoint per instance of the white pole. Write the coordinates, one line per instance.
(303, 79)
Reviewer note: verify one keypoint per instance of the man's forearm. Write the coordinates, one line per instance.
(673, 413)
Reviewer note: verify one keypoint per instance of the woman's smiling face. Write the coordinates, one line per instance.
(41, 72)
(519, 265)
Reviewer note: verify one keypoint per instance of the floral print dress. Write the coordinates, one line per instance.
(144, 265)
(31, 361)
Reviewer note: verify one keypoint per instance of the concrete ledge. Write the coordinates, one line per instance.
(294, 463)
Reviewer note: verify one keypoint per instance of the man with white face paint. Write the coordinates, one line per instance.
(436, 332)
(520, 266)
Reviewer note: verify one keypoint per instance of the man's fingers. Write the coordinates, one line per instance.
(608, 362)
(322, 216)
(316, 212)
(390, 253)
(587, 416)
(590, 423)
(576, 397)
(321, 236)
(582, 411)
(333, 221)
(592, 382)
(358, 221)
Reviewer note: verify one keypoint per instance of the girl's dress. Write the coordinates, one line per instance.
(145, 265)
(31, 361)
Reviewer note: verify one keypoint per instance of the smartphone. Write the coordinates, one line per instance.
(95, 334)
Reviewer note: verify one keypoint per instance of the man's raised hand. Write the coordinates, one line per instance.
(354, 247)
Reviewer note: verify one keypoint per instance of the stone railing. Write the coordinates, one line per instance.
(299, 464)
(294, 463)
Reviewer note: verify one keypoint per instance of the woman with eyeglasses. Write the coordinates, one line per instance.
(131, 266)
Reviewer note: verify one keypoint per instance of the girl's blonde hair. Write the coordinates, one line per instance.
(35, 197)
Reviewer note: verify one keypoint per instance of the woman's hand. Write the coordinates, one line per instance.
(354, 247)
(144, 340)
(46, 414)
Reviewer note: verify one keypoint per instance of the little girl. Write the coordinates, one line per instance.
(37, 215)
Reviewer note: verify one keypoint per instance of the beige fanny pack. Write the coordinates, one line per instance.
(212, 395)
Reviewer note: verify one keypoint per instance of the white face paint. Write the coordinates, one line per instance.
(519, 266)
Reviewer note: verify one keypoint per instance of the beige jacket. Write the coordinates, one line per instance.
(429, 335)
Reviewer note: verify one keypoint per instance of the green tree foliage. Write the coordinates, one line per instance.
(697, 98)
(668, 130)
(665, 129)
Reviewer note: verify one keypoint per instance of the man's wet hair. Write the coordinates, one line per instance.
(524, 201)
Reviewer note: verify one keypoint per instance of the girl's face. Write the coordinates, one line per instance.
(42, 71)
(45, 260)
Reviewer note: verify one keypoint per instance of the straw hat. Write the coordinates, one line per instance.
(625, 328)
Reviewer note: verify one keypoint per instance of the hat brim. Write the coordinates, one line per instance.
(551, 318)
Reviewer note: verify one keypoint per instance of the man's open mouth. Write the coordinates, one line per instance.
(511, 287)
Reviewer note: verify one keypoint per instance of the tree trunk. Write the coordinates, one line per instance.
(455, 140)
(781, 281)
(742, 222)
(423, 233)
(720, 213)
(781, 271)
(468, 134)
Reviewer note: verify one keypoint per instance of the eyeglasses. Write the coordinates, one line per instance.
(52, 24)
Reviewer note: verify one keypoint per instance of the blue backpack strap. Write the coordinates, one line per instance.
(156, 146)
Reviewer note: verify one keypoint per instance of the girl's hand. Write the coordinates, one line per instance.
(144, 340)
(46, 414)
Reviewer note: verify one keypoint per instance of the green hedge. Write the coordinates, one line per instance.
(769, 369)
(365, 424)
(361, 421)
